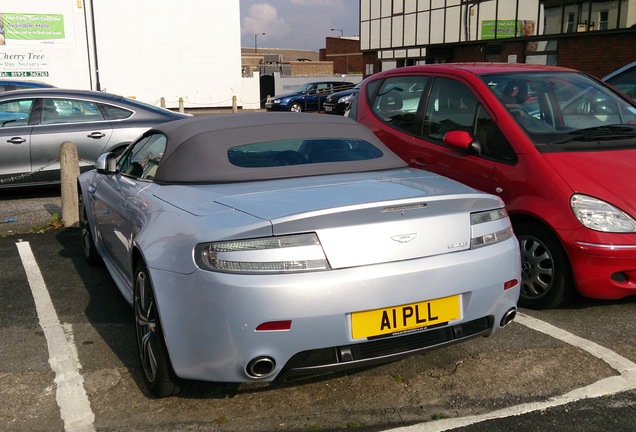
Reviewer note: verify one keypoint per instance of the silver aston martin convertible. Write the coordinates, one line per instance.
(257, 246)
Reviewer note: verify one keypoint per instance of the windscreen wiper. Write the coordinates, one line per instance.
(608, 132)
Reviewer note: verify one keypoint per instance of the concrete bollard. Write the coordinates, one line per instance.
(69, 171)
(181, 108)
(234, 105)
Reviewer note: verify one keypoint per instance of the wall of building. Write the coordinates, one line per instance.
(409, 24)
(345, 54)
(611, 51)
(61, 57)
(249, 98)
(311, 68)
(183, 50)
(147, 49)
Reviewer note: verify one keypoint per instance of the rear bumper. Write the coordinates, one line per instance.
(210, 319)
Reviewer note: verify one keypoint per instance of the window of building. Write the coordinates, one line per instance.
(570, 25)
(603, 21)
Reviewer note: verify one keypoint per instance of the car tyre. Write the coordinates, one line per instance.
(296, 107)
(157, 369)
(88, 243)
(546, 279)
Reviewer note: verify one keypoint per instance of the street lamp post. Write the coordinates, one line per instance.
(340, 30)
(256, 35)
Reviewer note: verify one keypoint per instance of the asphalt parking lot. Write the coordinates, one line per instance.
(68, 362)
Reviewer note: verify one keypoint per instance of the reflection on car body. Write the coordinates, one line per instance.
(258, 246)
(554, 143)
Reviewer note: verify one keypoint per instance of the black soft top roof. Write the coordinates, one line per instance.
(197, 147)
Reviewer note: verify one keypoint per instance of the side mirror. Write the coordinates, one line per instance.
(106, 163)
(458, 139)
(462, 140)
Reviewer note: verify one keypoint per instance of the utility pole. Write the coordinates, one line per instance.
(256, 35)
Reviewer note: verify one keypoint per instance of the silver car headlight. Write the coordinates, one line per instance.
(489, 227)
(279, 254)
(345, 99)
(599, 215)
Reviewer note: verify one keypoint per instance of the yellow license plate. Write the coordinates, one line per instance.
(404, 318)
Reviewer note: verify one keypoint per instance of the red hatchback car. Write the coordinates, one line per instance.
(558, 146)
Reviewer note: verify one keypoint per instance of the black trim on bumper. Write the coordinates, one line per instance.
(385, 349)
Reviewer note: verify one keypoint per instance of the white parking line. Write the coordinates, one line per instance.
(71, 397)
(607, 386)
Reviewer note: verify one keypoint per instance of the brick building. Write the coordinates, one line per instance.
(345, 54)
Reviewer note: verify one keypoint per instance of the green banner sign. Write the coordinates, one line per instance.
(504, 29)
(33, 26)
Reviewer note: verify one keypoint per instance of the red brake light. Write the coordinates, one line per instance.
(510, 284)
(274, 326)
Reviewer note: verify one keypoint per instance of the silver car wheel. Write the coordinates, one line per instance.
(296, 107)
(145, 321)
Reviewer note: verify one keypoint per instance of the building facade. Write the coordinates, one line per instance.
(595, 36)
(153, 50)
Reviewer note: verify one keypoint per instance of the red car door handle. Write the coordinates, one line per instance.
(16, 140)
(96, 135)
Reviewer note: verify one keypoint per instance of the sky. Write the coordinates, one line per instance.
(297, 24)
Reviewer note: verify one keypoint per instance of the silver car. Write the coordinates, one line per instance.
(33, 124)
(257, 246)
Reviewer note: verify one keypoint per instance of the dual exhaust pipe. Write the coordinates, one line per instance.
(508, 317)
(260, 367)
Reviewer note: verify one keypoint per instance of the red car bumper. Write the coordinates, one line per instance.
(604, 270)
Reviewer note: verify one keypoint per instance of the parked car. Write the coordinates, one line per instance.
(338, 103)
(557, 145)
(13, 84)
(624, 79)
(308, 97)
(257, 246)
(33, 124)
